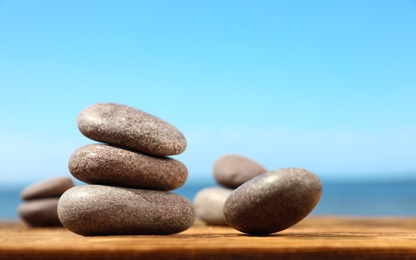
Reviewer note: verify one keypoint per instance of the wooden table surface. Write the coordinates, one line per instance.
(315, 237)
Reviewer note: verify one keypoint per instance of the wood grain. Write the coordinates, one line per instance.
(314, 238)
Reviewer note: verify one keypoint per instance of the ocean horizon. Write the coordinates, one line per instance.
(347, 198)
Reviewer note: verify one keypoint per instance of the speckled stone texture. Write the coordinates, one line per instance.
(209, 204)
(233, 170)
(128, 127)
(94, 210)
(40, 212)
(273, 201)
(48, 188)
(109, 165)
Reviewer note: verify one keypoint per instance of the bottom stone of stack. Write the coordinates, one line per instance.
(39, 212)
(96, 210)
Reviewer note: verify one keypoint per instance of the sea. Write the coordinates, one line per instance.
(347, 198)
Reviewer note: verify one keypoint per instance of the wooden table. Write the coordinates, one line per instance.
(314, 238)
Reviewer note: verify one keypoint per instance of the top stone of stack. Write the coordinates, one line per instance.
(130, 128)
(49, 188)
(233, 170)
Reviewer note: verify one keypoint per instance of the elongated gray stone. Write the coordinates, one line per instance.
(209, 204)
(94, 210)
(40, 212)
(109, 165)
(131, 128)
(273, 201)
(233, 170)
(48, 188)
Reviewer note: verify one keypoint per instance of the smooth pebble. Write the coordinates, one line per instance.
(132, 128)
(209, 204)
(53, 187)
(40, 212)
(233, 170)
(273, 201)
(93, 210)
(109, 165)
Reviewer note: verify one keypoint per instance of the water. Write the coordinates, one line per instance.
(338, 198)
(9, 200)
(368, 199)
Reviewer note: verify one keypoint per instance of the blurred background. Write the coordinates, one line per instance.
(328, 86)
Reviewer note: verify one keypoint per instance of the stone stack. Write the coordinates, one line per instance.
(41, 201)
(254, 200)
(129, 175)
(229, 171)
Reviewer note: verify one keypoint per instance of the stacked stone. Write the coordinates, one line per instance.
(229, 171)
(41, 201)
(273, 201)
(129, 175)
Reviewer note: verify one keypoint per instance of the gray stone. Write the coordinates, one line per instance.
(109, 165)
(273, 201)
(233, 170)
(41, 212)
(48, 188)
(94, 210)
(130, 128)
(209, 204)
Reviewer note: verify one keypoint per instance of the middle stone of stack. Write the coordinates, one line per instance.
(130, 175)
(109, 165)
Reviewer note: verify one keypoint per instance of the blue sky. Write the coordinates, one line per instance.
(329, 86)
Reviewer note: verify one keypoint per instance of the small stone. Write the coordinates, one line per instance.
(41, 212)
(209, 204)
(131, 128)
(109, 165)
(233, 170)
(49, 188)
(273, 201)
(95, 210)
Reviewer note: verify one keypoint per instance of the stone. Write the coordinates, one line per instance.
(49, 188)
(209, 204)
(131, 128)
(97, 210)
(109, 165)
(40, 212)
(273, 201)
(233, 170)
